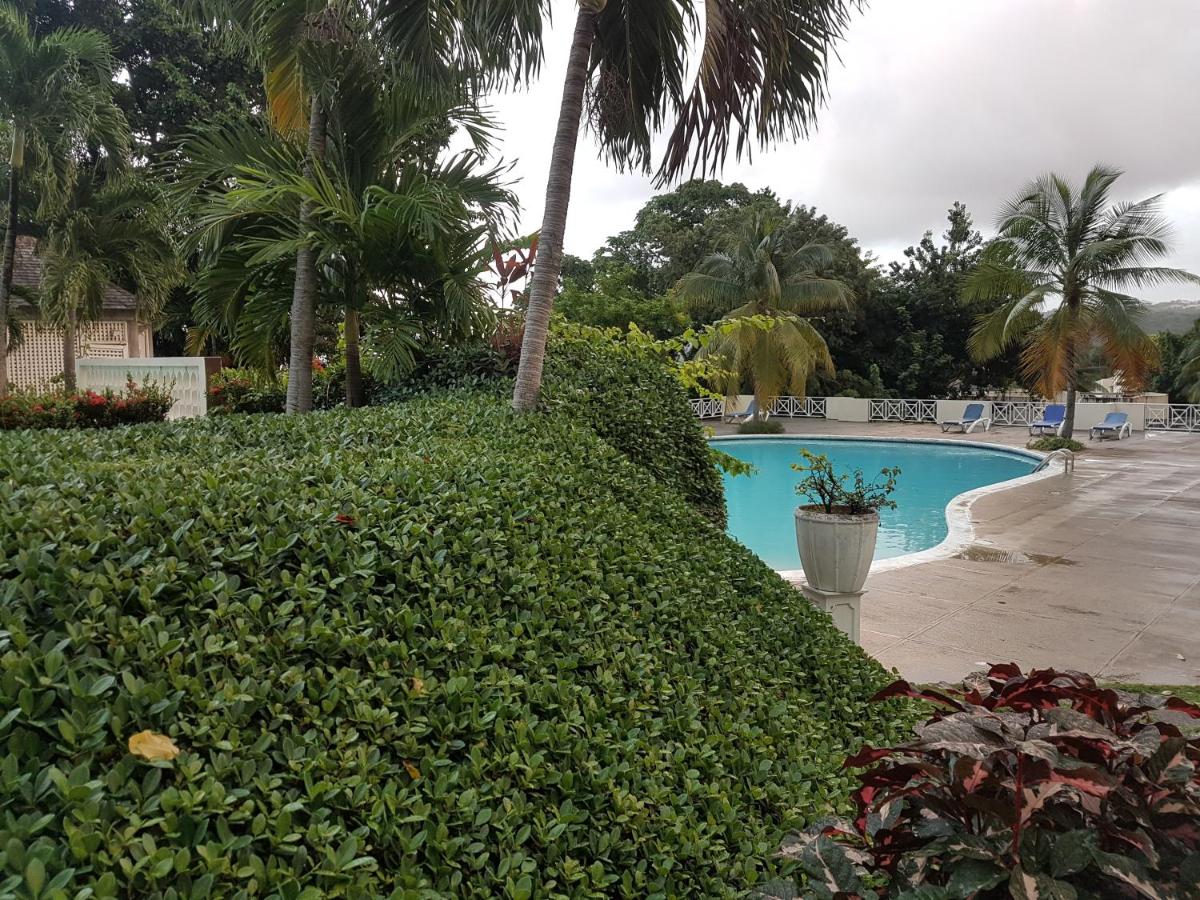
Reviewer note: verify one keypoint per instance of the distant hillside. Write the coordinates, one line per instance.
(1177, 316)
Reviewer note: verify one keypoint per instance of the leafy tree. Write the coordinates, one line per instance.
(176, 73)
(1061, 264)
(55, 95)
(398, 234)
(612, 301)
(1178, 370)
(1188, 380)
(924, 322)
(763, 289)
(108, 231)
(307, 48)
(761, 66)
(674, 231)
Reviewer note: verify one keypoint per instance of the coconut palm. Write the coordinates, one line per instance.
(1063, 262)
(107, 231)
(397, 232)
(764, 291)
(761, 76)
(55, 95)
(304, 47)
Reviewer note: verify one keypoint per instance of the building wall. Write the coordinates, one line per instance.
(37, 360)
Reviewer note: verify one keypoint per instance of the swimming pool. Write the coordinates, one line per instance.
(761, 506)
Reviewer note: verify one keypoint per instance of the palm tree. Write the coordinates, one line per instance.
(1062, 264)
(765, 290)
(108, 231)
(56, 95)
(761, 76)
(397, 233)
(304, 47)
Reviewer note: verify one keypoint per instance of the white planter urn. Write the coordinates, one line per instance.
(836, 549)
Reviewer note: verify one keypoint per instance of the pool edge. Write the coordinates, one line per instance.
(960, 529)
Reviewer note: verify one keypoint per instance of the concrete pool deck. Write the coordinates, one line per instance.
(1097, 570)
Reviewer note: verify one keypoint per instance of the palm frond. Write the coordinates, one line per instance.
(762, 76)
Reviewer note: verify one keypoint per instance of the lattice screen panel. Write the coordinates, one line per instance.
(38, 360)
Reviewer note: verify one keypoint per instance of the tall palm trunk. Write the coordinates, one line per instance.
(354, 383)
(1068, 428)
(554, 221)
(304, 291)
(9, 263)
(70, 382)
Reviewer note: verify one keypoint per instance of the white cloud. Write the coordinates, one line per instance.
(937, 101)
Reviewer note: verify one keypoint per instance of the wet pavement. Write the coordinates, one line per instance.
(1098, 570)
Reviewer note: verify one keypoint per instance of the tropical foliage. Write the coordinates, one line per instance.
(399, 233)
(1022, 785)
(430, 648)
(1064, 261)
(108, 230)
(905, 335)
(56, 97)
(90, 409)
(764, 291)
(761, 76)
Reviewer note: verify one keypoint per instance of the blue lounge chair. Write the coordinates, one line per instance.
(1052, 419)
(750, 412)
(972, 416)
(1114, 423)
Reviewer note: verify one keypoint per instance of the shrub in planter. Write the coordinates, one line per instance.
(765, 426)
(429, 649)
(1050, 443)
(1030, 786)
(836, 531)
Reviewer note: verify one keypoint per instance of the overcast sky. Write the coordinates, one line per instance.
(936, 101)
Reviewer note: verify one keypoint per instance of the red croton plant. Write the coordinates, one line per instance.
(1031, 786)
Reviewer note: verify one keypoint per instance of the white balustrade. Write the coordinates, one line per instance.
(708, 407)
(799, 407)
(903, 410)
(1158, 416)
(184, 374)
(1172, 417)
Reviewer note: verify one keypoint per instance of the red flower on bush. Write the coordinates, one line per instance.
(343, 519)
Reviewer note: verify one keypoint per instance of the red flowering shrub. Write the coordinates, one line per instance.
(1030, 786)
(137, 403)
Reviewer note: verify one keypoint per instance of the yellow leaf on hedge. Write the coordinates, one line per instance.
(418, 686)
(152, 746)
(412, 770)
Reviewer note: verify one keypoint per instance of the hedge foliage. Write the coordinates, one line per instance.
(623, 392)
(135, 404)
(420, 650)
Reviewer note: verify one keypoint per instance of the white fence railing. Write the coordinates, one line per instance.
(708, 408)
(903, 411)
(1157, 417)
(1174, 417)
(1020, 413)
(799, 407)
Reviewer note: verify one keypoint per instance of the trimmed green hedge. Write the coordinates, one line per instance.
(624, 393)
(418, 650)
(627, 396)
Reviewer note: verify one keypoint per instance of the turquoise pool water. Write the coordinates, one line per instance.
(761, 506)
